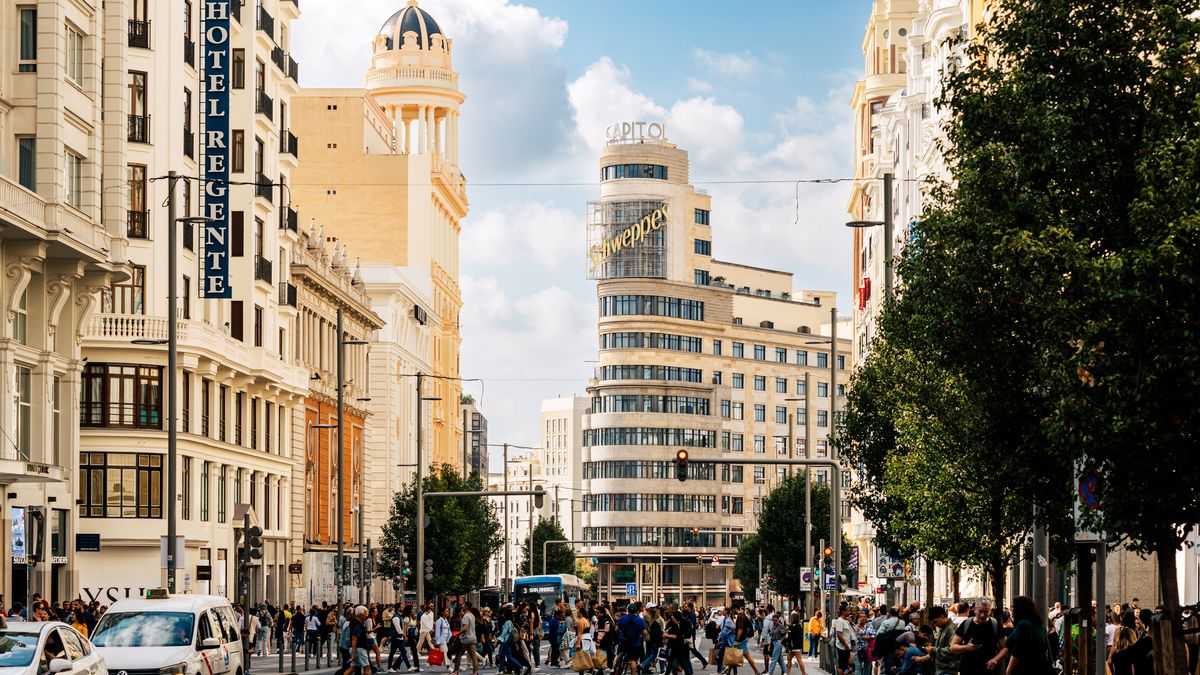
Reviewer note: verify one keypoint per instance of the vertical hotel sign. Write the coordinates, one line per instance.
(214, 261)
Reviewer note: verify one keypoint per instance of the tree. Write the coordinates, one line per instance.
(587, 572)
(745, 565)
(782, 518)
(463, 533)
(560, 558)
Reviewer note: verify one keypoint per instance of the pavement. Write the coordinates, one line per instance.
(269, 665)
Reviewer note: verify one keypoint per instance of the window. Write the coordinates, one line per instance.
(739, 350)
(239, 477)
(672, 373)
(760, 383)
(841, 391)
(701, 217)
(120, 485)
(74, 55)
(237, 149)
(737, 507)
(780, 355)
(822, 449)
(822, 360)
(703, 247)
(801, 388)
(716, 378)
(138, 227)
(186, 400)
(205, 406)
(651, 305)
(725, 409)
(781, 448)
(760, 475)
(635, 340)
(56, 418)
(700, 277)
(760, 412)
(237, 70)
(223, 412)
(724, 440)
(24, 435)
(239, 400)
(186, 310)
(738, 381)
(617, 171)
(822, 390)
(204, 492)
(736, 443)
(822, 418)
(27, 162)
(27, 55)
(254, 423)
(802, 417)
(739, 411)
(74, 179)
(780, 414)
(221, 500)
(258, 326)
(267, 426)
(781, 385)
(20, 320)
(693, 438)
(801, 357)
(121, 395)
(760, 353)
(186, 489)
(716, 347)
(126, 297)
(137, 99)
(760, 444)
(841, 361)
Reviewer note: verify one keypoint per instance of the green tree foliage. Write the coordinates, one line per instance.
(745, 565)
(463, 533)
(587, 572)
(783, 517)
(560, 558)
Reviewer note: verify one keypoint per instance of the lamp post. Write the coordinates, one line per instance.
(807, 557)
(172, 342)
(887, 233)
(420, 491)
(341, 446)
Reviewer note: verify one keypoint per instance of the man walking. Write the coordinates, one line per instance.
(843, 639)
(945, 660)
(631, 631)
(977, 642)
(466, 638)
(425, 626)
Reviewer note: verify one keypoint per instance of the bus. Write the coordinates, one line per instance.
(548, 588)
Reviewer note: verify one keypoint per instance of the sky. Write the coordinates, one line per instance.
(753, 90)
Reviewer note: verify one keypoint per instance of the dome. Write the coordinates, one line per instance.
(414, 19)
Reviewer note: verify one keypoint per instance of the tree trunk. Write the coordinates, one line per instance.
(955, 580)
(999, 582)
(1169, 585)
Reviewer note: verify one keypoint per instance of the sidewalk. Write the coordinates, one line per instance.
(269, 665)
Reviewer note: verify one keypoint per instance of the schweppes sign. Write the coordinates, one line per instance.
(631, 236)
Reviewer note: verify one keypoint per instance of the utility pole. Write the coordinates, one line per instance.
(888, 274)
(808, 524)
(835, 475)
(370, 571)
(362, 561)
(341, 457)
(172, 377)
(420, 503)
(507, 544)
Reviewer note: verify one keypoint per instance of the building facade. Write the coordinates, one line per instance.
(518, 517)
(718, 358)
(385, 179)
(475, 438)
(58, 247)
(561, 458)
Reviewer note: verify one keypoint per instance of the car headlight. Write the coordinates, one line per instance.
(174, 669)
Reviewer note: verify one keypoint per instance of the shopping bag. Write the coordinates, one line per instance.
(599, 660)
(436, 657)
(733, 656)
(712, 654)
(581, 661)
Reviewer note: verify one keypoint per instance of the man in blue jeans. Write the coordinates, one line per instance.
(631, 631)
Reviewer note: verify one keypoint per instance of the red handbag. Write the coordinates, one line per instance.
(436, 657)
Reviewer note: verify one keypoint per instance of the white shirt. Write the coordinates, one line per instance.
(313, 622)
(426, 621)
(845, 633)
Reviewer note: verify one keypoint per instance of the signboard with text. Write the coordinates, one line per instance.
(806, 578)
(214, 163)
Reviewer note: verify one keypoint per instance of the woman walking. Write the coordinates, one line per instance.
(1027, 646)
(795, 644)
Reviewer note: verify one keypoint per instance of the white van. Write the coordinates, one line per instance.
(165, 634)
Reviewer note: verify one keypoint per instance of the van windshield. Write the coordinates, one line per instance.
(144, 629)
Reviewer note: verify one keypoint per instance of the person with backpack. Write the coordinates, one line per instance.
(795, 643)
(978, 642)
(1027, 645)
(776, 630)
(631, 632)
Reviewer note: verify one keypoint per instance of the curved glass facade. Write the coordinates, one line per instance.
(634, 340)
(616, 171)
(668, 373)
(662, 536)
(651, 305)
(681, 405)
(625, 501)
(688, 438)
(641, 468)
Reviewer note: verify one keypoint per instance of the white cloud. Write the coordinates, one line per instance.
(698, 86)
(727, 63)
(536, 233)
(601, 96)
(707, 129)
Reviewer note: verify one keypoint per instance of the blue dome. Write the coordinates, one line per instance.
(411, 18)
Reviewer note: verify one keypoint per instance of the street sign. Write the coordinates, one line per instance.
(830, 582)
(296, 568)
(631, 589)
(806, 578)
(715, 560)
(897, 571)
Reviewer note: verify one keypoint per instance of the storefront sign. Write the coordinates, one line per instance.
(632, 235)
(87, 543)
(110, 594)
(636, 131)
(18, 535)
(203, 572)
(214, 167)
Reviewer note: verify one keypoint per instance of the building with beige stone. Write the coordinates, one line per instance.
(383, 176)
(719, 358)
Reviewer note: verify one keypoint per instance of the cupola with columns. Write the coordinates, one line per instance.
(411, 78)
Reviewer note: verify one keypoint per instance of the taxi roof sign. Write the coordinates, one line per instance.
(157, 594)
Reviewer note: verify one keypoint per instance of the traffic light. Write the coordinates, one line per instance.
(404, 570)
(255, 543)
(428, 570)
(539, 496)
(681, 465)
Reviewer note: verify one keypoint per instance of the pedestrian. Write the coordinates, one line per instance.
(744, 627)
(553, 635)
(977, 641)
(726, 637)
(467, 640)
(816, 628)
(776, 629)
(441, 634)
(486, 636)
(536, 633)
(843, 639)
(631, 634)
(864, 642)
(425, 627)
(1027, 645)
(678, 635)
(795, 643)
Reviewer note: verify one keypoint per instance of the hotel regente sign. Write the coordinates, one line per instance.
(214, 165)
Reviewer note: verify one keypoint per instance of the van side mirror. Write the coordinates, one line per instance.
(210, 643)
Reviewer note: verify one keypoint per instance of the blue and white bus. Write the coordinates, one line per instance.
(548, 588)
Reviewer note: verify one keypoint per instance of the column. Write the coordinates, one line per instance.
(397, 130)
(453, 137)
(439, 126)
(407, 132)
(429, 129)
(422, 129)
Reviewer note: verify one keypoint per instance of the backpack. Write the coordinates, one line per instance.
(711, 631)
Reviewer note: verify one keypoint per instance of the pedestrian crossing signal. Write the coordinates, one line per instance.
(681, 465)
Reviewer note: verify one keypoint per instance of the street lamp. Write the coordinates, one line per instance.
(887, 233)
(420, 489)
(172, 376)
(341, 445)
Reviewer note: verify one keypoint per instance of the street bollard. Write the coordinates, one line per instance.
(293, 658)
(281, 638)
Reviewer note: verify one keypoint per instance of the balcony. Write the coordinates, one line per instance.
(293, 70)
(189, 143)
(266, 22)
(265, 105)
(288, 219)
(189, 51)
(139, 129)
(263, 187)
(279, 59)
(139, 34)
(288, 143)
(262, 269)
(139, 227)
(287, 294)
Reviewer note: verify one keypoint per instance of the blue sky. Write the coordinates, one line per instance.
(753, 90)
